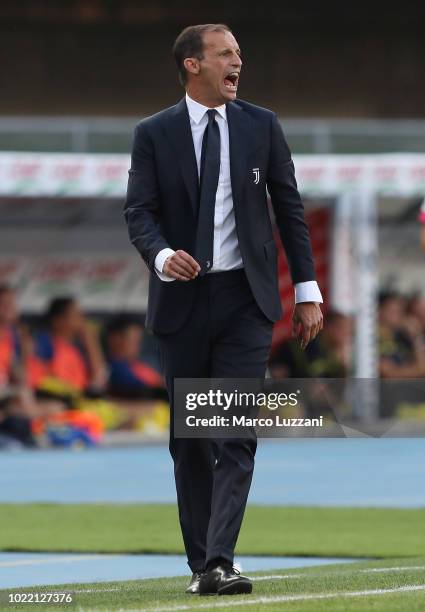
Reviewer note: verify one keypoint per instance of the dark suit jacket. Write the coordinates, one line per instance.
(162, 203)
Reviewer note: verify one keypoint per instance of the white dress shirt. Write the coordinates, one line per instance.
(227, 254)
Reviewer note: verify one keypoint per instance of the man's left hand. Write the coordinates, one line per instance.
(307, 321)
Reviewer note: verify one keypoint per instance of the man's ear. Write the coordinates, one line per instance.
(192, 65)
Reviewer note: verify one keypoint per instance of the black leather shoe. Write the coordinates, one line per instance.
(224, 580)
(193, 587)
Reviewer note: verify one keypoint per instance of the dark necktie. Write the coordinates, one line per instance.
(209, 173)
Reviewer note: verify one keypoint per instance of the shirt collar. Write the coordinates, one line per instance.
(197, 111)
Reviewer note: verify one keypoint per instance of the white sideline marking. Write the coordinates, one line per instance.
(284, 598)
(283, 576)
(96, 590)
(393, 569)
(363, 571)
(277, 577)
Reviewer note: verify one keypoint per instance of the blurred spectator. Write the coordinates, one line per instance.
(328, 356)
(129, 375)
(421, 219)
(416, 310)
(69, 352)
(18, 404)
(15, 426)
(13, 337)
(401, 340)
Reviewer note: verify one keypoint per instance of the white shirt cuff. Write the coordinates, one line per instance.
(159, 264)
(307, 292)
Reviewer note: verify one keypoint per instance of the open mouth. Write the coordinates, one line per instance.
(231, 81)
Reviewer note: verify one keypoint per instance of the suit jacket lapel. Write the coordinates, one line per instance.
(180, 135)
(241, 137)
(242, 142)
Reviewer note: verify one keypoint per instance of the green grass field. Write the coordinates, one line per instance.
(392, 539)
(334, 588)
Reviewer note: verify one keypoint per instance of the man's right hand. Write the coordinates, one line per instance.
(181, 266)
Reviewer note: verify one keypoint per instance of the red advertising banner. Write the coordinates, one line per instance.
(318, 221)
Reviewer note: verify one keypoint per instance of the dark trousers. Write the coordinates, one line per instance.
(226, 336)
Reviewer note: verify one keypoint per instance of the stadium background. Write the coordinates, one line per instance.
(75, 77)
(78, 76)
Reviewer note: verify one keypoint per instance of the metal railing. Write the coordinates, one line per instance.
(114, 135)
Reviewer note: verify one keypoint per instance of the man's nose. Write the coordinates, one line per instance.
(237, 61)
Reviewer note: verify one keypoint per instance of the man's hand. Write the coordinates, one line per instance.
(181, 266)
(307, 321)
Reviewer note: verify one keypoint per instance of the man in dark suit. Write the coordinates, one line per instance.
(197, 213)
